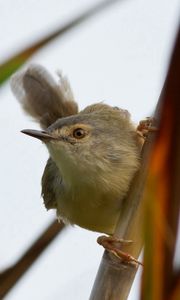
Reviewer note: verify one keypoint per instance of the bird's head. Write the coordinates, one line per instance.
(96, 142)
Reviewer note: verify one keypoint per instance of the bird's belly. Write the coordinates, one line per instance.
(97, 213)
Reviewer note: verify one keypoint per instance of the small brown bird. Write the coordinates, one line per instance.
(94, 154)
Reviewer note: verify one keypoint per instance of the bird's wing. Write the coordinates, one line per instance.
(41, 97)
(51, 184)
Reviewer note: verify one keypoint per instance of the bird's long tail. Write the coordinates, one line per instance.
(41, 97)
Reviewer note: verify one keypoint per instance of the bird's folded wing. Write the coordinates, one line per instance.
(51, 184)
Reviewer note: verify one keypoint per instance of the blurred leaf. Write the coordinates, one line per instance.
(12, 64)
(162, 192)
(175, 293)
(10, 276)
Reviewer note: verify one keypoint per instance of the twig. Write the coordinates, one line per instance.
(11, 275)
(115, 278)
(8, 67)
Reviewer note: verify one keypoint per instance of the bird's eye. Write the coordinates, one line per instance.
(79, 133)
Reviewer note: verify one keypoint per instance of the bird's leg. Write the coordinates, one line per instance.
(112, 244)
(145, 126)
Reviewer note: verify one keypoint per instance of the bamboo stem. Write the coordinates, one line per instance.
(115, 277)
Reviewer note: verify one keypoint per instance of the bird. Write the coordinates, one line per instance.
(94, 153)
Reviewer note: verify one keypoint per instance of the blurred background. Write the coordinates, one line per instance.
(120, 56)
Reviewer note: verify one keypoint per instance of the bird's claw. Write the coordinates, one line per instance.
(112, 244)
(145, 126)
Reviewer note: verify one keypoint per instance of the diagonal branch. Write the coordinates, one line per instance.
(10, 276)
(115, 278)
(16, 61)
(163, 200)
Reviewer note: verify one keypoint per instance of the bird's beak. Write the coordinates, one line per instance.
(42, 135)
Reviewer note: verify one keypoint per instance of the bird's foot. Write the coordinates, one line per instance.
(113, 244)
(145, 126)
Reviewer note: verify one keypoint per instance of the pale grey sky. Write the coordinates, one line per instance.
(120, 56)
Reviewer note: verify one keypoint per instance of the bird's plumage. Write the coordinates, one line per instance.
(94, 154)
(41, 97)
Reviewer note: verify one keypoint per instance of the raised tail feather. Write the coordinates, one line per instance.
(41, 97)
